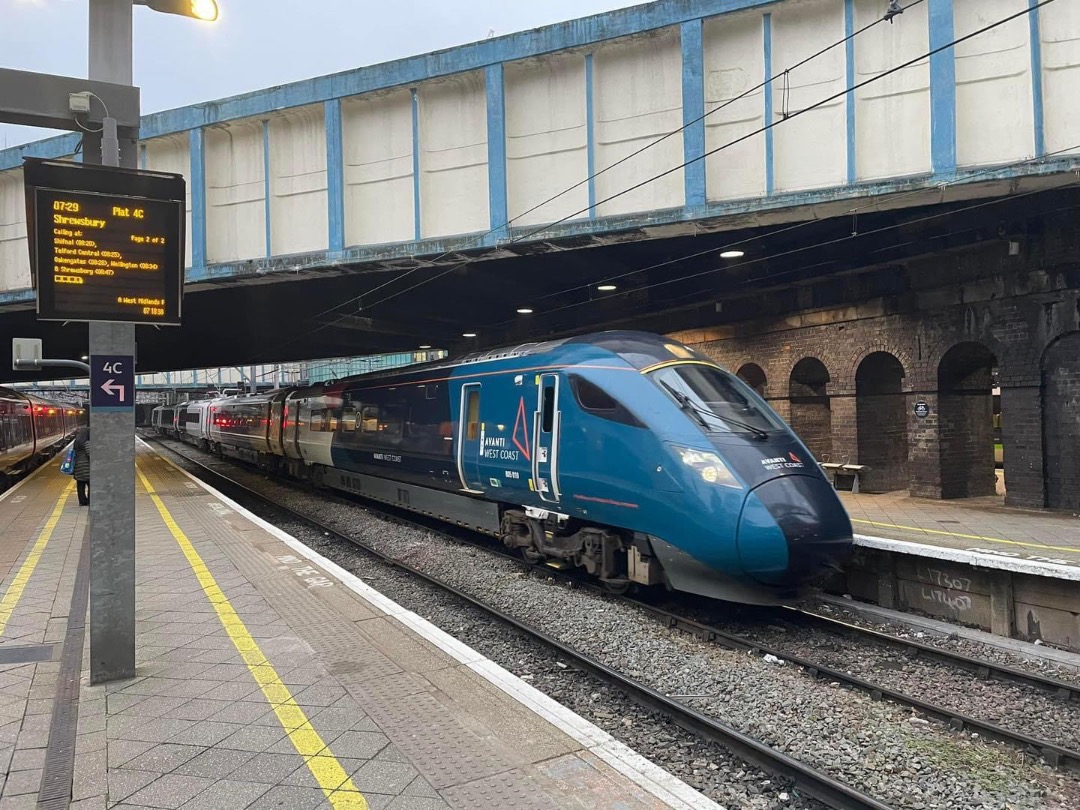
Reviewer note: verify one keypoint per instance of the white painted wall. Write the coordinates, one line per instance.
(546, 138)
(14, 253)
(809, 151)
(377, 148)
(453, 156)
(298, 209)
(734, 61)
(235, 198)
(637, 99)
(993, 84)
(173, 154)
(892, 115)
(1059, 32)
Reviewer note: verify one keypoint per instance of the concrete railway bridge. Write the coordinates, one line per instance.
(855, 214)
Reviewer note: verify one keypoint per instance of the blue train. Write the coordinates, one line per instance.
(624, 453)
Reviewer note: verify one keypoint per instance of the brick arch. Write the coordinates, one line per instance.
(934, 357)
(788, 368)
(902, 355)
(881, 419)
(811, 409)
(762, 385)
(965, 419)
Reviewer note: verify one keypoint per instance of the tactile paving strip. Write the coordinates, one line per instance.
(56, 776)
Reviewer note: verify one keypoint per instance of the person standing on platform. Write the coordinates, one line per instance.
(81, 471)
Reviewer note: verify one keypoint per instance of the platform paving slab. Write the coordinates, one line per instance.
(263, 680)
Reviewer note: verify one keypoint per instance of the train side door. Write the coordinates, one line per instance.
(470, 438)
(546, 439)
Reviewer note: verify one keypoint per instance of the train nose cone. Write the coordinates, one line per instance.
(792, 530)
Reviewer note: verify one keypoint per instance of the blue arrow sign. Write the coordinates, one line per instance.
(112, 382)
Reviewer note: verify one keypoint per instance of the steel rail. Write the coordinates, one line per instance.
(1055, 755)
(916, 649)
(812, 782)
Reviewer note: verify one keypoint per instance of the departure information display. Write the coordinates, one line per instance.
(100, 255)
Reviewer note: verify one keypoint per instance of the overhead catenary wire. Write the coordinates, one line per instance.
(686, 125)
(766, 127)
(873, 204)
(1071, 183)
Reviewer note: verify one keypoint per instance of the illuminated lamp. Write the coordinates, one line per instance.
(607, 288)
(732, 254)
(205, 10)
(468, 334)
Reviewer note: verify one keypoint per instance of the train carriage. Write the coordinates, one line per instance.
(31, 430)
(623, 453)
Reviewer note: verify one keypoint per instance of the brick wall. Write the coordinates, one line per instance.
(881, 422)
(1010, 307)
(1061, 391)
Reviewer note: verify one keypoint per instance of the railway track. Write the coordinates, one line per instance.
(809, 781)
(687, 717)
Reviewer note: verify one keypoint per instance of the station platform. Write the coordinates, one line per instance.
(982, 526)
(974, 562)
(266, 676)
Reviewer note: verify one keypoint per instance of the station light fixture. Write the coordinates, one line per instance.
(607, 288)
(85, 357)
(425, 346)
(732, 254)
(205, 10)
(468, 334)
(524, 311)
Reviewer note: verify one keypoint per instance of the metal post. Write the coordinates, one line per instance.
(112, 434)
(254, 381)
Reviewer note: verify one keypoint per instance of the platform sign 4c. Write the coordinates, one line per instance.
(106, 244)
(112, 382)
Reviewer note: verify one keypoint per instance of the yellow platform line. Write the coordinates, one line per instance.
(332, 778)
(1071, 549)
(18, 585)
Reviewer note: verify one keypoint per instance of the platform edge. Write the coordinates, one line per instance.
(644, 773)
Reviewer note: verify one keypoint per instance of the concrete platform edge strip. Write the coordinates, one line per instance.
(644, 773)
(1025, 649)
(973, 558)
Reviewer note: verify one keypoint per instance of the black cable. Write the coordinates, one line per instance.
(768, 80)
(790, 116)
(793, 251)
(1028, 10)
(967, 178)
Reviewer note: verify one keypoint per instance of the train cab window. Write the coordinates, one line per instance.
(472, 415)
(720, 400)
(595, 400)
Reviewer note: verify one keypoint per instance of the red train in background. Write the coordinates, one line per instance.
(32, 430)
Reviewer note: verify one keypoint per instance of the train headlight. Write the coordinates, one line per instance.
(709, 466)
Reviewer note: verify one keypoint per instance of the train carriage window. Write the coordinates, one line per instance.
(547, 417)
(472, 415)
(317, 421)
(391, 422)
(595, 400)
(369, 419)
(349, 420)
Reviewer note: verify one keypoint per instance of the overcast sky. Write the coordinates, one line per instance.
(261, 43)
